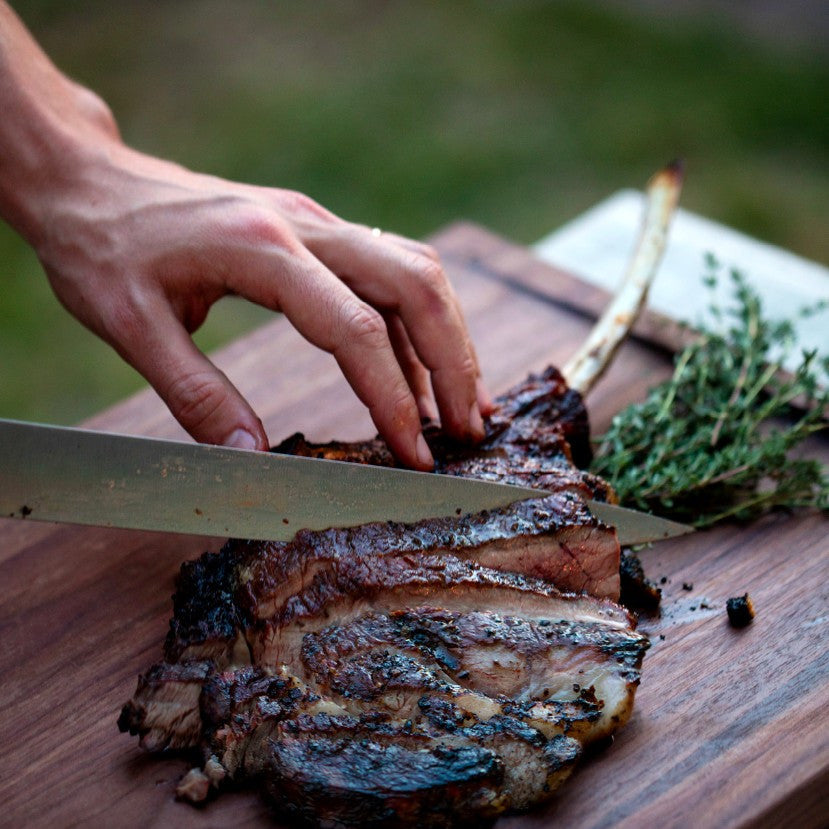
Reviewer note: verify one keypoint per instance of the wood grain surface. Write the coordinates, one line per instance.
(730, 727)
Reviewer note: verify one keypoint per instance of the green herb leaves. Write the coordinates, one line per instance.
(716, 441)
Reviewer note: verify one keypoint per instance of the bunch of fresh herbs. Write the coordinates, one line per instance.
(718, 439)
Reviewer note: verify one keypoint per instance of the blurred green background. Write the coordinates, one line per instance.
(517, 115)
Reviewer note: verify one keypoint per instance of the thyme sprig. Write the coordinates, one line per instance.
(717, 440)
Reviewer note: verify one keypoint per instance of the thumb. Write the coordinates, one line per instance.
(198, 394)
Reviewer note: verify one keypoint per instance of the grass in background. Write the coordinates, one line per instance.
(517, 115)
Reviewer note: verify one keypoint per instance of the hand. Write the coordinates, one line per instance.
(138, 249)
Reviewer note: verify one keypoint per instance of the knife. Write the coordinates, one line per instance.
(78, 476)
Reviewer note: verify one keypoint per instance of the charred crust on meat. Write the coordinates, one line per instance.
(740, 610)
(436, 674)
(637, 591)
(369, 783)
(537, 431)
(204, 604)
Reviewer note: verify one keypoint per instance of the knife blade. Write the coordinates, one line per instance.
(79, 476)
(634, 527)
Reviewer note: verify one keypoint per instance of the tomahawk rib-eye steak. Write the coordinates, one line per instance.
(434, 674)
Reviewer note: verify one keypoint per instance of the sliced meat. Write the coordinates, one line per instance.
(333, 774)
(434, 674)
(319, 762)
(391, 660)
(357, 586)
(553, 538)
(207, 621)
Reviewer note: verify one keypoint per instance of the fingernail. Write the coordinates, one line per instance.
(424, 456)
(476, 422)
(241, 439)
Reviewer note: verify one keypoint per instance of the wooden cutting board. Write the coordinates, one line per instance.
(730, 727)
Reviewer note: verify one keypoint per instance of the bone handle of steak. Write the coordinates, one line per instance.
(588, 364)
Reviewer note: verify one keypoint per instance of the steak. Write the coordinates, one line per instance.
(432, 674)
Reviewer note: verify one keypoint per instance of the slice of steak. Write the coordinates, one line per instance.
(260, 726)
(554, 538)
(358, 586)
(242, 710)
(366, 778)
(207, 620)
(389, 682)
(371, 768)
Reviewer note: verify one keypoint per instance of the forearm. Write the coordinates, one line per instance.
(49, 125)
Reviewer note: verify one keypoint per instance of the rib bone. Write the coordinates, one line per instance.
(589, 363)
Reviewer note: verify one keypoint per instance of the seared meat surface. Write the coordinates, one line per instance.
(435, 674)
(538, 436)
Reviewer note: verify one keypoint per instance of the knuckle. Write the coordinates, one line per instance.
(429, 253)
(365, 326)
(430, 280)
(255, 225)
(398, 411)
(300, 204)
(95, 109)
(195, 398)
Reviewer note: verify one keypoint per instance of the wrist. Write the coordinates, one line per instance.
(50, 129)
(49, 157)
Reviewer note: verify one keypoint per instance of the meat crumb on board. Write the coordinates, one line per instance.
(740, 610)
